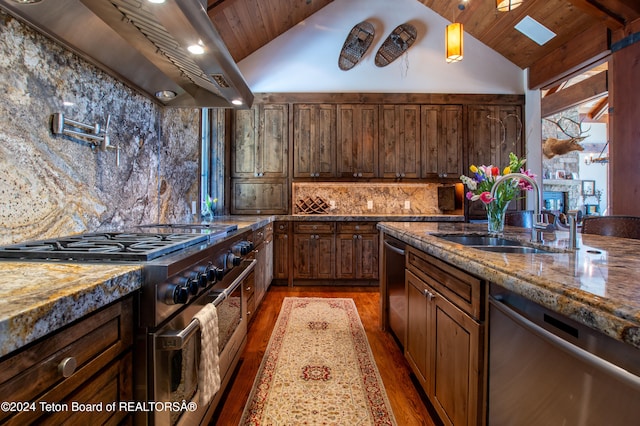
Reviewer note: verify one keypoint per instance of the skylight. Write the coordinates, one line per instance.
(535, 30)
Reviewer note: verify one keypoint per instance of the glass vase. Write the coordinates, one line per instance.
(495, 217)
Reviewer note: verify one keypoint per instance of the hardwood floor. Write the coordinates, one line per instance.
(407, 403)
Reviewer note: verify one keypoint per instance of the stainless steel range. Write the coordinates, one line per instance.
(185, 267)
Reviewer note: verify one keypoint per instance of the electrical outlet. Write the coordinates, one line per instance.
(332, 204)
(370, 204)
(407, 204)
(194, 210)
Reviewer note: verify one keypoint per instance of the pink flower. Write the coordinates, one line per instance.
(486, 197)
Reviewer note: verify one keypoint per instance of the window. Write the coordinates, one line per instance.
(212, 158)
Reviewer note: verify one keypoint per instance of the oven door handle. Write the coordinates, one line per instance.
(248, 267)
(176, 339)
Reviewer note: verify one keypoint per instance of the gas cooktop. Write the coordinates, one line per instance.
(121, 246)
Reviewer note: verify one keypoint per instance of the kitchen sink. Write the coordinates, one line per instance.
(494, 244)
(479, 240)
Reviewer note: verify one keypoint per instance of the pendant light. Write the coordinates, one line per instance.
(453, 38)
(454, 42)
(507, 5)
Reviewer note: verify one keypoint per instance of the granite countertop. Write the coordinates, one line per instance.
(596, 285)
(37, 298)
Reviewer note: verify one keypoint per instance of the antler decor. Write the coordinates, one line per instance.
(503, 127)
(554, 146)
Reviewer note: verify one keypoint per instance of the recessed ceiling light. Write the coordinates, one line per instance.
(156, 1)
(165, 95)
(196, 49)
(535, 30)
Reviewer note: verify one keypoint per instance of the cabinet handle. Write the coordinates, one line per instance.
(398, 174)
(248, 288)
(359, 174)
(67, 366)
(355, 175)
(402, 175)
(355, 237)
(359, 237)
(429, 295)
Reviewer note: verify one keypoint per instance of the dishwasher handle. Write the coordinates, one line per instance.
(593, 360)
(394, 248)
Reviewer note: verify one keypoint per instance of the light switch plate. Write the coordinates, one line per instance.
(370, 204)
(407, 205)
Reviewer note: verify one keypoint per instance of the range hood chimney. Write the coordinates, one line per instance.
(145, 45)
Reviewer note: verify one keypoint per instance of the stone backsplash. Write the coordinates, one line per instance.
(58, 185)
(371, 198)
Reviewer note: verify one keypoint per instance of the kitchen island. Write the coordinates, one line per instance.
(596, 285)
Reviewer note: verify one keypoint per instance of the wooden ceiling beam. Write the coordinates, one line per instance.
(611, 19)
(592, 88)
(583, 50)
(599, 109)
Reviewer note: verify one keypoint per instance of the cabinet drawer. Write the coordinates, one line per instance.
(357, 228)
(35, 373)
(463, 290)
(314, 227)
(281, 227)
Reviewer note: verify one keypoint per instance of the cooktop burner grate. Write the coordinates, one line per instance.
(125, 246)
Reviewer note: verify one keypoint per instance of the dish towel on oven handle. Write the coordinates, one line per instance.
(209, 369)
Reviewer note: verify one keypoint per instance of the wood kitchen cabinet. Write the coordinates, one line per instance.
(490, 141)
(314, 140)
(99, 346)
(314, 250)
(263, 250)
(441, 139)
(259, 160)
(445, 337)
(357, 251)
(399, 149)
(357, 130)
(281, 251)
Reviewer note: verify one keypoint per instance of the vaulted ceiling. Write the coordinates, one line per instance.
(584, 30)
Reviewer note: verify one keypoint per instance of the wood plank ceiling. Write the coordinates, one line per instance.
(247, 25)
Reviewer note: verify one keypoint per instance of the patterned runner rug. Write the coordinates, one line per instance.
(318, 369)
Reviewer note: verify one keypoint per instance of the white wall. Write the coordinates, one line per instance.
(305, 58)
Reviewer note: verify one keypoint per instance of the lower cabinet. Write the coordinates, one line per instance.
(445, 337)
(357, 251)
(88, 363)
(281, 256)
(264, 266)
(314, 250)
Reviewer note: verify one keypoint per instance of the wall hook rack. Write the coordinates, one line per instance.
(92, 133)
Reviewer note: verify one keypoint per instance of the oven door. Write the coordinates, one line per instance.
(176, 352)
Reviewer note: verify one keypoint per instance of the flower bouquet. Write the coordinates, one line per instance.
(209, 208)
(482, 181)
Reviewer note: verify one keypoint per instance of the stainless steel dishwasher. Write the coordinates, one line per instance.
(546, 369)
(394, 263)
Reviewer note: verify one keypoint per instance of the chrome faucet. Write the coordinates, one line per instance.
(540, 223)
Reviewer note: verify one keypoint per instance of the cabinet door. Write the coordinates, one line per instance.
(259, 196)
(453, 382)
(281, 254)
(441, 141)
(346, 256)
(415, 348)
(399, 150)
(272, 149)
(490, 142)
(245, 140)
(303, 257)
(260, 142)
(314, 140)
(325, 246)
(357, 128)
(367, 256)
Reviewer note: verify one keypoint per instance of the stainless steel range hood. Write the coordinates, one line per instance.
(146, 46)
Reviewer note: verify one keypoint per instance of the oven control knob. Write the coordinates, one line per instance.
(232, 260)
(199, 278)
(176, 295)
(215, 273)
(192, 286)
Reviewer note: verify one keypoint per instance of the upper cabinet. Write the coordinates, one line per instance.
(493, 132)
(441, 141)
(314, 140)
(357, 128)
(399, 149)
(259, 160)
(261, 142)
